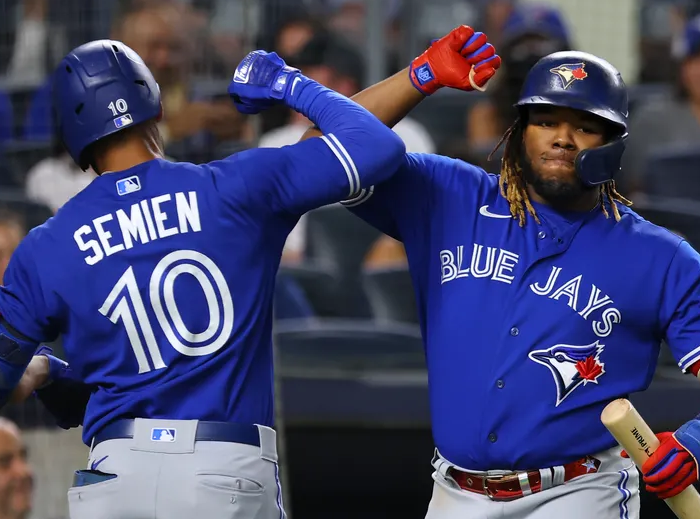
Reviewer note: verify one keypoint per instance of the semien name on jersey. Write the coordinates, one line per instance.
(147, 220)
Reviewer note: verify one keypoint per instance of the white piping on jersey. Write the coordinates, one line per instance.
(340, 152)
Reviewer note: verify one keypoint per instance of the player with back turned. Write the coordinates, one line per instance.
(159, 276)
(542, 296)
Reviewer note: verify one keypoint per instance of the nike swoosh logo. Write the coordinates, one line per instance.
(484, 211)
(294, 84)
(96, 464)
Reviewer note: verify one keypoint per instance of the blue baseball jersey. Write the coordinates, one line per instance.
(530, 331)
(160, 278)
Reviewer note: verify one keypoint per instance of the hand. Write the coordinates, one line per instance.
(671, 468)
(35, 376)
(462, 59)
(261, 80)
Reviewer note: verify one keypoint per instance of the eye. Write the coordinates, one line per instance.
(588, 130)
(560, 357)
(544, 124)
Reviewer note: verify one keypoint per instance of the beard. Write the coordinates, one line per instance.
(558, 193)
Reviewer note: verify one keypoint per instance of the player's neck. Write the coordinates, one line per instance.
(587, 201)
(125, 155)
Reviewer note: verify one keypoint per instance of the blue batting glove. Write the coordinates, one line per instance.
(262, 80)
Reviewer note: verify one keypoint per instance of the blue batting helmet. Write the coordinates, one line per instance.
(584, 82)
(100, 88)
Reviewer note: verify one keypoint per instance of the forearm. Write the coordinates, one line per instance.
(352, 131)
(389, 100)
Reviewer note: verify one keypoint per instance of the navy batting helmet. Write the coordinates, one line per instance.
(584, 82)
(100, 88)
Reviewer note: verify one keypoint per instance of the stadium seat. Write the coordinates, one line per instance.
(6, 118)
(20, 156)
(347, 344)
(38, 119)
(20, 100)
(337, 242)
(316, 282)
(643, 93)
(674, 173)
(676, 214)
(444, 113)
(390, 294)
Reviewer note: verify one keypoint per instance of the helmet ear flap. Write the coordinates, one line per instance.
(596, 166)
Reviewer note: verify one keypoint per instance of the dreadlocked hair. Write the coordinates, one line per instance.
(512, 184)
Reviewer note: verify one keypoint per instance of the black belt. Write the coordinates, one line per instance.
(206, 432)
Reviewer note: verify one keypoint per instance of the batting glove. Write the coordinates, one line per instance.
(261, 80)
(673, 467)
(462, 59)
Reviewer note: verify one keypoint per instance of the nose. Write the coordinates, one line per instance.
(22, 469)
(564, 137)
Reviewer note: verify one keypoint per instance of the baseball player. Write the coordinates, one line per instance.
(542, 297)
(160, 276)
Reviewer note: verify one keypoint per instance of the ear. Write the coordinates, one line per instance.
(160, 114)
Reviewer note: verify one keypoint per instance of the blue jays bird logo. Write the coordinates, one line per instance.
(568, 73)
(571, 366)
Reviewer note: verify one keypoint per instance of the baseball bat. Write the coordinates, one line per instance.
(636, 437)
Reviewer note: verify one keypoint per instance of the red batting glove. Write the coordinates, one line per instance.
(670, 469)
(451, 60)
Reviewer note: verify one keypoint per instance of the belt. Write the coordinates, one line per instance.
(520, 484)
(206, 432)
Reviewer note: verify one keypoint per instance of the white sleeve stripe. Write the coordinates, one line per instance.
(350, 161)
(342, 161)
(693, 353)
(364, 195)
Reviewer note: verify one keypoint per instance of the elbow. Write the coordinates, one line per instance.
(390, 150)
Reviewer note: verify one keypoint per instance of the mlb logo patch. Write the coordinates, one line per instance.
(123, 120)
(161, 434)
(128, 185)
(424, 74)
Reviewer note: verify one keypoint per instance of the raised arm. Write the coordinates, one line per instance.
(355, 150)
(462, 60)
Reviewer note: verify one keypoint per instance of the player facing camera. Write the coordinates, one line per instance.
(566, 146)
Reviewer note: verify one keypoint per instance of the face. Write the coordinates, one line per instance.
(552, 139)
(16, 479)
(10, 236)
(690, 72)
(154, 35)
(292, 39)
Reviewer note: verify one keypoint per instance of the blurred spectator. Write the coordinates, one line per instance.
(335, 63)
(55, 180)
(294, 33)
(386, 252)
(12, 230)
(28, 63)
(16, 478)
(664, 124)
(531, 32)
(161, 36)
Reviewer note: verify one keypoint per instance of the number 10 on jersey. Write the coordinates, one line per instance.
(161, 291)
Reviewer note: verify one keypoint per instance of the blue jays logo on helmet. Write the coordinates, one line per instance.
(571, 366)
(568, 73)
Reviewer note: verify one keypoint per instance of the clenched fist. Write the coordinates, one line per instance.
(462, 59)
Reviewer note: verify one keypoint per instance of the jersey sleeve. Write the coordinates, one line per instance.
(680, 306)
(401, 206)
(23, 302)
(297, 178)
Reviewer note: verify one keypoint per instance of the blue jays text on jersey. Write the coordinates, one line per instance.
(160, 278)
(530, 331)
